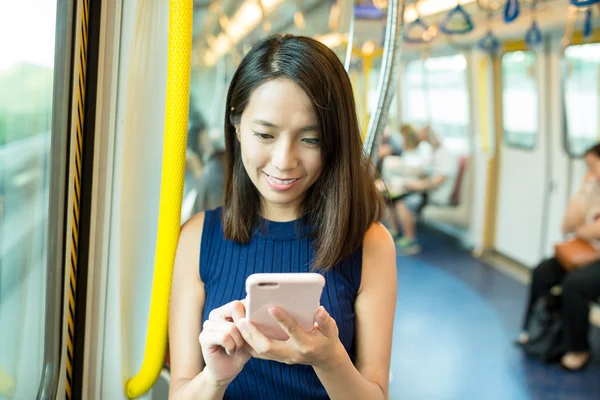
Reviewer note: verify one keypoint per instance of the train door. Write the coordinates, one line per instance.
(522, 174)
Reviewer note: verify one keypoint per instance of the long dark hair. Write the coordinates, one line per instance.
(343, 202)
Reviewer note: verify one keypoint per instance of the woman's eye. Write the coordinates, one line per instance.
(263, 135)
(312, 141)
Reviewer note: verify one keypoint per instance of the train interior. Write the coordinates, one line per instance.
(510, 87)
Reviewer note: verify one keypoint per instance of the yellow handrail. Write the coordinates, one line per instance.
(7, 384)
(171, 192)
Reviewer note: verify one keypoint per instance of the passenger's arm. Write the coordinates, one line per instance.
(185, 314)
(385, 150)
(375, 308)
(589, 231)
(574, 216)
(426, 184)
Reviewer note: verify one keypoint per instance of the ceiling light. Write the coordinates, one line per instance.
(299, 19)
(380, 4)
(368, 47)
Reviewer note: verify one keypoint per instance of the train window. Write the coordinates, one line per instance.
(415, 105)
(520, 115)
(436, 93)
(581, 96)
(26, 79)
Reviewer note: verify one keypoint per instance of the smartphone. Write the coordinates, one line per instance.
(298, 294)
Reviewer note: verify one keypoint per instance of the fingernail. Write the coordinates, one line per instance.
(275, 313)
(322, 314)
(228, 352)
(242, 324)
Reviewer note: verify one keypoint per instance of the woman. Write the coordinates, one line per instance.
(581, 286)
(298, 198)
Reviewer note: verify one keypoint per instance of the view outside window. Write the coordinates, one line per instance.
(436, 93)
(26, 82)
(520, 102)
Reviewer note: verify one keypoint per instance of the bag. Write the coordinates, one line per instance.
(575, 253)
(545, 329)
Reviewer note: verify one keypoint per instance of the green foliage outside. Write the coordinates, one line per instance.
(25, 102)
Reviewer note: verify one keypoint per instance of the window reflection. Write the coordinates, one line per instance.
(519, 99)
(26, 79)
(581, 93)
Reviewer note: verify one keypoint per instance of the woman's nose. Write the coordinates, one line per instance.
(284, 156)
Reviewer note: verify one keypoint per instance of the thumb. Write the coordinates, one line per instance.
(326, 324)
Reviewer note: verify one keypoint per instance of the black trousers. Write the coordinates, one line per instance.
(579, 288)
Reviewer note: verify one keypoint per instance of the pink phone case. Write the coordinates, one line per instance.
(298, 294)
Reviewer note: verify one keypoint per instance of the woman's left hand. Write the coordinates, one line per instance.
(318, 348)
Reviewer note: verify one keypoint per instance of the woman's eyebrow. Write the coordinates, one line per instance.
(308, 128)
(313, 127)
(264, 123)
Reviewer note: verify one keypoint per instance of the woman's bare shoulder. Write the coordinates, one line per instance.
(188, 249)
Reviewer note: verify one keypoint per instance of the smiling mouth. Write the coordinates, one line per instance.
(281, 181)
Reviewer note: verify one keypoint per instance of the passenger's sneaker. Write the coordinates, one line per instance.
(407, 247)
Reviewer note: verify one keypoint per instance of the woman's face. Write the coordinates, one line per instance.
(279, 140)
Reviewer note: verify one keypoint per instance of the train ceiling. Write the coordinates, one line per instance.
(224, 26)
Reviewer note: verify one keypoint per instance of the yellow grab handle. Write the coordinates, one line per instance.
(171, 193)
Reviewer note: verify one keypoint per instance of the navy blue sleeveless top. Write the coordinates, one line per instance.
(275, 247)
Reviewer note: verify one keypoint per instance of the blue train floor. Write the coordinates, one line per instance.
(456, 319)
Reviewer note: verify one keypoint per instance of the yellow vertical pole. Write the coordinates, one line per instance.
(171, 192)
(491, 197)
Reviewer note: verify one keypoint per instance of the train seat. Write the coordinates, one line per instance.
(458, 213)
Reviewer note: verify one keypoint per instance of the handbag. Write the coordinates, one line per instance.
(545, 329)
(575, 253)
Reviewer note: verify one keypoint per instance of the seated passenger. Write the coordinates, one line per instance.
(398, 172)
(211, 183)
(390, 146)
(299, 198)
(580, 286)
(195, 145)
(438, 185)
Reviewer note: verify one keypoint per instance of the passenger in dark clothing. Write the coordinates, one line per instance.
(581, 286)
(211, 183)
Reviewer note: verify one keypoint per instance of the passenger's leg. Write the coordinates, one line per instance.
(547, 274)
(407, 211)
(581, 287)
(407, 220)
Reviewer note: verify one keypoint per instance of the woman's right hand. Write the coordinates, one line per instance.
(223, 348)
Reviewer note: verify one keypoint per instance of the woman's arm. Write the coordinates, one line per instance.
(375, 308)
(185, 313)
